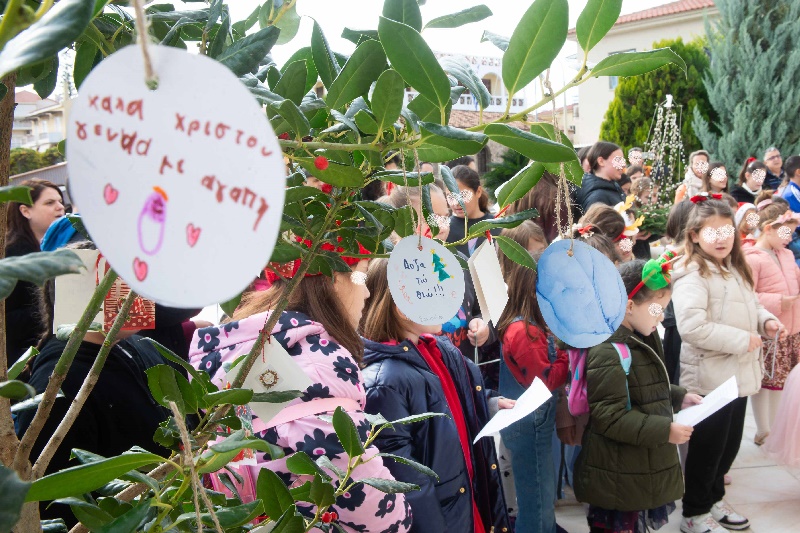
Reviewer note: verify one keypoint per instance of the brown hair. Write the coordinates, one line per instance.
(640, 185)
(707, 178)
(748, 168)
(602, 244)
(698, 216)
(600, 149)
(401, 196)
(381, 321)
(471, 179)
(769, 214)
(676, 221)
(313, 296)
(543, 197)
(19, 227)
(605, 218)
(521, 235)
(522, 301)
(631, 274)
(733, 203)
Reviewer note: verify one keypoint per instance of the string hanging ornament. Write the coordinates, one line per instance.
(664, 151)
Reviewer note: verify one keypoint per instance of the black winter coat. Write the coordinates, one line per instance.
(23, 326)
(597, 190)
(399, 383)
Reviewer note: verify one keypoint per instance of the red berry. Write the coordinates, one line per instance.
(326, 518)
(321, 162)
(283, 136)
(334, 515)
(327, 188)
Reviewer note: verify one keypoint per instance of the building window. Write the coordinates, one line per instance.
(488, 83)
(613, 81)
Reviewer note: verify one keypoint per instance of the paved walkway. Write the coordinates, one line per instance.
(768, 494)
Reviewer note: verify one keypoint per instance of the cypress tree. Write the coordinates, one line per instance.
(754, 80)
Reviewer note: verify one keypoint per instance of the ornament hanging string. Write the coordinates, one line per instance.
(562, 196)
(142, 35)
(419, 183)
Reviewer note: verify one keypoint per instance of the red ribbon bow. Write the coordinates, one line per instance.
(586, 229)
(702, 197)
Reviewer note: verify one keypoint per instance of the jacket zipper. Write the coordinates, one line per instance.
(724, 301)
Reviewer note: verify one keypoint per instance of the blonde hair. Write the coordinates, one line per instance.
(522, 234)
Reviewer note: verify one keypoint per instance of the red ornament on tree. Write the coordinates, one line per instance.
(321, 162)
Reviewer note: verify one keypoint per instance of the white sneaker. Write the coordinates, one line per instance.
(727, 517)
(703, 523)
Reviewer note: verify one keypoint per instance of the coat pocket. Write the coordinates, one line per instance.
(448, 492)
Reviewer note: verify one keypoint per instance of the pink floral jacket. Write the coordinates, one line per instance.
(335, 374)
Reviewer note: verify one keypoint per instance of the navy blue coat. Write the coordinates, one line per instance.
(597, 190)
(399, 383)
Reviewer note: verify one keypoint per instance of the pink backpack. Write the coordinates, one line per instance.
(577, 398)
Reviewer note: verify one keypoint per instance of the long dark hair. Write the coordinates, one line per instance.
(749, 167)
(470, 178)
(600, 149)
(522, 301)
(18, 228)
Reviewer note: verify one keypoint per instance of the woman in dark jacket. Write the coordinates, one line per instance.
(409, 371)
(601, 185)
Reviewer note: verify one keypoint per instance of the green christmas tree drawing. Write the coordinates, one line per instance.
(438, 267)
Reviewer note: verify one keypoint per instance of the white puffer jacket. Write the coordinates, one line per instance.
(715, 317)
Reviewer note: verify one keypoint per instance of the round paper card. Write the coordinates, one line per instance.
(582, 297)
(427, 282)
(181, 188)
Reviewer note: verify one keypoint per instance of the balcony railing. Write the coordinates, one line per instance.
(467, 102)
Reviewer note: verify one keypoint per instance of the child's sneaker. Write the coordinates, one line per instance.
(727, 517)
(703, 523)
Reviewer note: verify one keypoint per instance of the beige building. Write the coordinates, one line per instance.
(38, 123)
(634, 32)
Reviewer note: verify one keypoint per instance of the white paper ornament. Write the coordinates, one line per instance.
(173, 182)
(426, 282)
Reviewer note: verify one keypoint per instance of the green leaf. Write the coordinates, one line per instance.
(535, 43)
(336, 174)
(452, 186)
(127, 522)
(84, 61)
(290, 522)
(519, 185)
(532, 146)
(273, 493)
(282, 396)
(31, 403)
(499, 41)
(460, 69)
(292, 84)
(427, 111)
(57, 29)
(167, 385)
(242, 26)
(324, 59)
(15, 193)
(324, 462)
(414, 60)
(416, 418)
(453, 140)
(635, 63)
(89, 514)
(510, 221)
(358, 36)
(347, 433)
(293, 116)
(45, 86)
(405, 221)
(411, 179)
(12, 494)
(230, 306)
(389, 486)
(304, 192)
(387, 98)
(169, 355)
(301, 464)
(363, 67)
(54, 526)
(465, 16)
(19, 365)
(214, 13)
(304, 54)
(366, 122)
(229, 396)
(86, 478)
(321, 493)
(514, 251)
(404, 11)
(221, 37)
(245, 54)
(595, 20)
(285, 252)
(16, 390)
(289, 23)
(413, 464)
(36, 268)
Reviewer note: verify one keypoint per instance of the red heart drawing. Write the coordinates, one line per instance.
(140, 269)
(192, 234)
(110, 194)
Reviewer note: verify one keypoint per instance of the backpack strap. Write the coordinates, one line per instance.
(625, 360)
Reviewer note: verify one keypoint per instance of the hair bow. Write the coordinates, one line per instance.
(788, 216)
(749, 160)
(586, 231)
(656, 273)
(703, 196)
(764, 203)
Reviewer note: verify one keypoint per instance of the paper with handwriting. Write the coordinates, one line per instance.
(713, 402)
(533, 398)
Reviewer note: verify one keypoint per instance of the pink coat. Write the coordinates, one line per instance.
(335, 374)
(773, 281)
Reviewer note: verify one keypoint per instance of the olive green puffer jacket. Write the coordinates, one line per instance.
(627, 462)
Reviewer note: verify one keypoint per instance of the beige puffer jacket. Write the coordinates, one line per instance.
(715, 317)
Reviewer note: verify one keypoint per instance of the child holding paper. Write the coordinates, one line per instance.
(628, 468)
(407, 371)
(525, 357)
(720, 322)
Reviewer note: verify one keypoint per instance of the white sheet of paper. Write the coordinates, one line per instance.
(73, 291)
(713, 402)
(487, 276)
(531, 399)
(176, 185)
(428, 284)
(280, 372)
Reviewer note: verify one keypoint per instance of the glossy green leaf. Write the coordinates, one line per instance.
(88, 477)
(635, 63)
(336, 174)
(438, 142)
(16, 390)
(413, 464)
(17, 368)
(214, 13)
(363, 67)
(387, 98)
(89, 514)
(167, 385)
(293, 82)
(221, 37)
(84, 61)
(465, 16)
(452, 186)
(37, 268)
(242, 26)
(462, 71)
(324, 58)
(15, 193)
(31, 403)
(229, 396)
(324, 462)
(245, 54)
(405, 221)
(312, 74)
(412, 419)
(535, 43)
(166, 353)
(127, 522)
(389, 486)
(290, 522)
(358, 36)
(510, 221)
(297, 121)
(499, 41)
(12, 496)
(410, 179)
(427, 111)
(230, 306)
(595, 20)
(514, 251)
(405, 11)
(414, 60)
(519, 185)
(53, 526)
(321, 493)
(347, 433)
(301, 464)
(366, 122)
(534, 147)
(57, 29)
(45, 86)
(289, 24)
(303, 192)
(282, 396)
